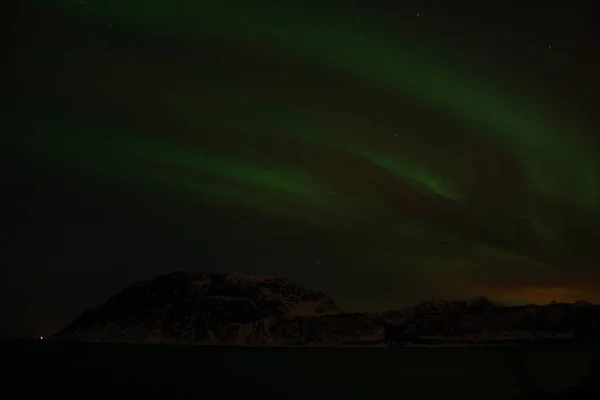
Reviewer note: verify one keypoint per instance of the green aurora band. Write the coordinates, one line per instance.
(395, 66)
(371, 182)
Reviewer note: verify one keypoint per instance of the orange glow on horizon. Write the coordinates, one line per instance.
(541, 295)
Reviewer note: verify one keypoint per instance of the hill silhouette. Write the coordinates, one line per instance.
(244, 310)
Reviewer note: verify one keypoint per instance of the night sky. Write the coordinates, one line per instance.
(385, 152)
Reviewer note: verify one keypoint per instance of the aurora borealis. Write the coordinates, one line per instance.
(385, 154)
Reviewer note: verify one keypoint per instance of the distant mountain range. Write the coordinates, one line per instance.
(243, 310)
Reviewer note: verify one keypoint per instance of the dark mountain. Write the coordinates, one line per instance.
(236, 309)
(482, 321)
(217, 308)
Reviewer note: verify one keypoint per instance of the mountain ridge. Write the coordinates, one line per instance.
(213, 308)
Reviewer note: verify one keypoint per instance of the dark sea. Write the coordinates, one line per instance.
(43, 369)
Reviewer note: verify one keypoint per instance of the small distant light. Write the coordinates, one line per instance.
(41, 338)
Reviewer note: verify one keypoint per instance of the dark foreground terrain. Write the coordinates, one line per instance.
(42, 369)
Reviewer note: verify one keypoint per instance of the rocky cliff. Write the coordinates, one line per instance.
(237, 309)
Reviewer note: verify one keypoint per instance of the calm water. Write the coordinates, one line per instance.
(42, 368)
